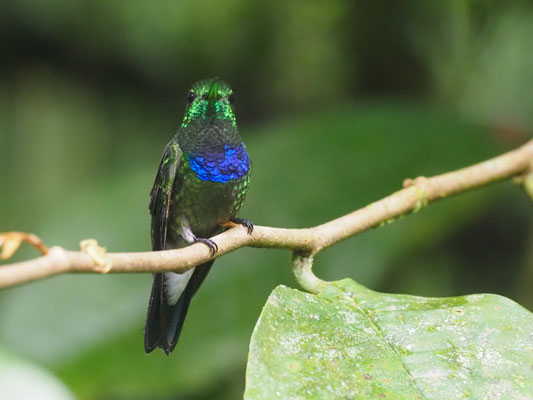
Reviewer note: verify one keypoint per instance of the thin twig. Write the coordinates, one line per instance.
(11, 241)
(303, 242)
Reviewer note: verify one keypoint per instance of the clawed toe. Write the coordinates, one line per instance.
(213, 248)
(244, 222)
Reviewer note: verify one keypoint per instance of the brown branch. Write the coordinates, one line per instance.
(303, 242)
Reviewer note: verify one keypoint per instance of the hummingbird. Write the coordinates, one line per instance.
(201, 184)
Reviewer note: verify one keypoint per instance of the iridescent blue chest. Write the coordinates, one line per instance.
(227, 164)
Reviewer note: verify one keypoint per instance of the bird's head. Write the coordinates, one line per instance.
(210, 101)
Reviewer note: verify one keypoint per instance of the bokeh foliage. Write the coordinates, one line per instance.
(337, 101)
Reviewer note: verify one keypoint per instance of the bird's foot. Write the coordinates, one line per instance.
(11, 241)
(239, 221)
(213, 248)
(98, 255)
(244, 222)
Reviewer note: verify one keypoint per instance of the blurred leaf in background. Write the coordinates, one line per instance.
(482, 63)
(22, 380)
(337, 101)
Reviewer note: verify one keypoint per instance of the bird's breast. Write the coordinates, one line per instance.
(220, 165)
(212, 188)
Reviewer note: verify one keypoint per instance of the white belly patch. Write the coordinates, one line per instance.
(175, 285)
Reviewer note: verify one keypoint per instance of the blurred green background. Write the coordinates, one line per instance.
(338, 101)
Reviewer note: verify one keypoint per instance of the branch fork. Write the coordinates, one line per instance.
(11, 241)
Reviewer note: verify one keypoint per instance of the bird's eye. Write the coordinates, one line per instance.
(190, 97)
(231, 99)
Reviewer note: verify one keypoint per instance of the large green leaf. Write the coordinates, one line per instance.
(351, 342)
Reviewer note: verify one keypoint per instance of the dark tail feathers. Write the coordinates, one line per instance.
(164, 322)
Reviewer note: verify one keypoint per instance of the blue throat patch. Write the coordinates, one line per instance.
(231, 164)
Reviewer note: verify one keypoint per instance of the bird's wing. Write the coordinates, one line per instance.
(161, 194)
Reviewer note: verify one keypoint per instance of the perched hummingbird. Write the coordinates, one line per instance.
(201, 183)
